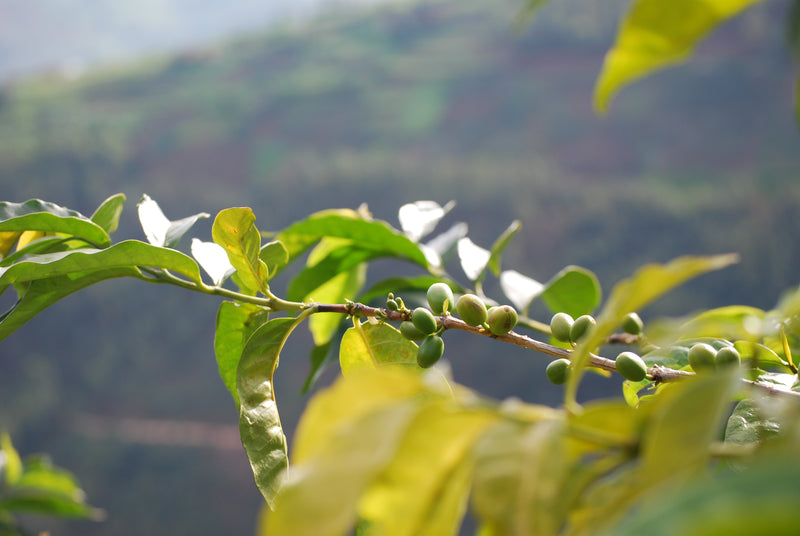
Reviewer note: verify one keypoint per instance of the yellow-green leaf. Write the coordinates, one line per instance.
(369, 344)
(234, 229)
(656, 34)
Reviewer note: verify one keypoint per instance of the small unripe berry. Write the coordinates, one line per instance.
(632, 323)
(702, 356)
(440, 298)
(560, 326)
(581, 325)
(727, 356)
(471, 309)
(631, 366)
(411, 332)
(501, 319)
(558, 371)
(391, 304)
(430, 351)
(424, 320)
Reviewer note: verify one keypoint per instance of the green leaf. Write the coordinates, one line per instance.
(259, 423)
(747, 425)
(762, 500)
(521, 473)
(574, 290)
(158, 229)
(656, 34)
(347, 259)
(731, 322)
(10, 462)
(367, 234)
(38, 215)
(42, 293)
(108, 213)
(425, 487)
(631, 295)
(234, 229)
(235, 323)
(274, 255)
(7, 241)
(500, 246)
(520, 289)
(369, 344)
(337, 289)
(127, 254)
(674, 443)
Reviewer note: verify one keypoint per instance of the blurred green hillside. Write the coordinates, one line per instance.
(386, 105)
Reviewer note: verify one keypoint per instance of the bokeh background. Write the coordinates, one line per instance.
(292, 107)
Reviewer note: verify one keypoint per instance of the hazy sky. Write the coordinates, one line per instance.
(38, 35)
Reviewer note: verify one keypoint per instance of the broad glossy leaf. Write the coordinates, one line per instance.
(214, 260)
(500, 246)
(348, 224)
(38, 215)
(28, 237)
(374, 343)
(420, 218)
(520, 289)
(347, 435)
(339, 288)
(762, 500)
(748, 425)
(43, 503)
(474, 259)
(574, 290)
(521, 472)
(234, 229)
(631, 295)
(274, 255)
(7, 241)
(439, 248)
(127, 254)
(235, 323)
(347, 259)
(42, 293)
(732, 322)
(158, 229)
(47, 244)
(259, 423)
(424, 490)
(108, 213)
(656, 34)
(673, 444)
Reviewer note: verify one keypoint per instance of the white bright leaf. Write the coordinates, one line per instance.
(519, 288)
(214, 260)
(421, 217)
(154, 224)
(444, 242)
(473, 258)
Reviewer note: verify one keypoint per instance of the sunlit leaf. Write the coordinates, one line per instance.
(7, 241)
(10, 462)
(347, 224)
(234, 229)
(108, 213)
(213, 259)
(424, 489)
(28, 237)
(519, 288)
(158, 229)
(474, 259)
(337, 289)
(573, 290)
(420, 218)
(632, 294)
(259, 423)
(37, 215)
(347, 259)
(235, 323)
(444, 244)
(500, 245)
(656, 34)
(274, 255)
(370, 344)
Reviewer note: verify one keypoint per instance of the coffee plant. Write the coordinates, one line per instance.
(395, 446)
(704, 440)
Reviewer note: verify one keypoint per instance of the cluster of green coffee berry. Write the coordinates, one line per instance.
(566, 329)
(426, 329)
(704, 357)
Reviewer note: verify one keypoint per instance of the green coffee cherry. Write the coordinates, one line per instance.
(424, 320)
(702, 357)
(501, 319)
(471, 309)
(727, 356)
(558, 371)
(430, 351)
(411, 332)
(440, 298)
(560, 326)
(391, 304)
(632, 323)
(581, 326)
(631, 366)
